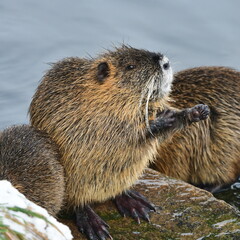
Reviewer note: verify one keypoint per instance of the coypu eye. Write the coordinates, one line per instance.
(130, 67)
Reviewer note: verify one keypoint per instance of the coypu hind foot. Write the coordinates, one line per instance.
(135, 205)
(130, 203)
(90, 224)
(214, 188)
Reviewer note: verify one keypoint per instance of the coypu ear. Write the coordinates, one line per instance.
(103, 71)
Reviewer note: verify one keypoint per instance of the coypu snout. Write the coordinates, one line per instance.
(165, 81)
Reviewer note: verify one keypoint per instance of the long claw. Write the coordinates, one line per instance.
(135, 215)
(144, 214)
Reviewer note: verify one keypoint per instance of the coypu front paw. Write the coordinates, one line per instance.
(198, 113)
(164, 120)
(135, 205)
(90, 224)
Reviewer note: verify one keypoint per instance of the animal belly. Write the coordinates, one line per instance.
(103, 183)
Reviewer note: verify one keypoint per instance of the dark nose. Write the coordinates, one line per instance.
(166, 66)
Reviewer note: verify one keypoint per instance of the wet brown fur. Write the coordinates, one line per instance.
(209, 152)
(29, 160)
(99, 127)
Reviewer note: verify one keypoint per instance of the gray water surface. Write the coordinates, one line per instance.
(34, 33)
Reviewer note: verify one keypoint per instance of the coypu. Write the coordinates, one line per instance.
(30, 161)
(207, 154)
(107, 115)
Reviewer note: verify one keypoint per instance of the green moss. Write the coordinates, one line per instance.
(28, 212)
(109, 216)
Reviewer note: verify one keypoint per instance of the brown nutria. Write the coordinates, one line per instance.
(30, 161)
(107, 115)
(206, 154)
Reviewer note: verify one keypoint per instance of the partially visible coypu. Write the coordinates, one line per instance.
(108, 115)
(29, 160)
(206, 154)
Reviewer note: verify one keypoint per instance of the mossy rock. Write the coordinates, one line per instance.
(183, 212)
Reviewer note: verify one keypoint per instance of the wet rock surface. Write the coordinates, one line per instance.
(183, 212)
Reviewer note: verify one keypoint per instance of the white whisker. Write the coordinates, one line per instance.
(152, 85)
(144, 92)
(150, 89)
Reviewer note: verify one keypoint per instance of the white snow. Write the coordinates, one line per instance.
(11, 197)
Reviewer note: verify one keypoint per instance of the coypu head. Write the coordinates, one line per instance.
(148, 73)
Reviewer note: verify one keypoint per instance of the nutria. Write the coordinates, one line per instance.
(30, 161)
(206, 154)
(107, 115)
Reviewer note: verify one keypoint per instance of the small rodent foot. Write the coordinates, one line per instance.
(90, 224)
(198, 113)
(164, 120)
(214, 188)
(135, 205)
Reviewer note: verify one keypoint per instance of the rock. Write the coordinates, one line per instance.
(183, 212)
(22, 219)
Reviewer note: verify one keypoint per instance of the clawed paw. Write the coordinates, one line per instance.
(90, 224)
(134, 205)
(164, 120)
(199, 112)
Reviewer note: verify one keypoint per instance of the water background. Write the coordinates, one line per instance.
(34, 33)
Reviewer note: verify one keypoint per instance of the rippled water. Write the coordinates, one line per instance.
(34, 33)
(231, 195)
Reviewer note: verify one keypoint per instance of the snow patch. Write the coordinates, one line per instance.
(21, 222)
